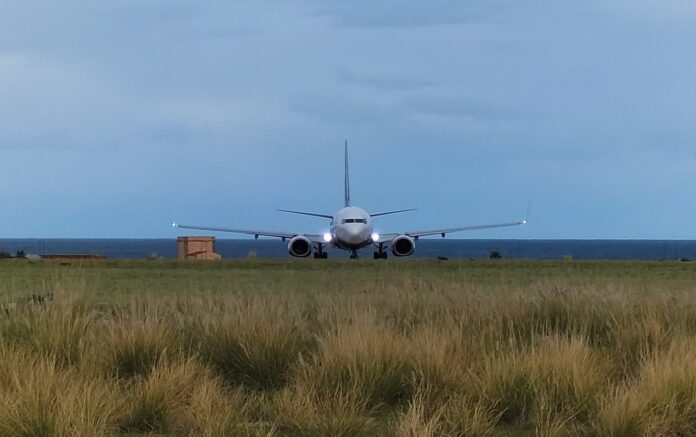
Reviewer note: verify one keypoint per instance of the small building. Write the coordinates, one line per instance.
(196, 248)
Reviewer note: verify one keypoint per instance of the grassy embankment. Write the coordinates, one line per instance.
(348, 348)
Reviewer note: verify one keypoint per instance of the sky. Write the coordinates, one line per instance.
(118, 116)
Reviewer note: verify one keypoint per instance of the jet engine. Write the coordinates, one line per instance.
(300, 247)
(403, 245)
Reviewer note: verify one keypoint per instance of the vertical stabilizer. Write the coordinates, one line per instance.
(347, 180)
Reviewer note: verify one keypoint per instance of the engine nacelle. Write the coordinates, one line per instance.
(300, 247)
(403, 245)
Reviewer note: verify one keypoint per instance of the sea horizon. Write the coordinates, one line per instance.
(451, 248)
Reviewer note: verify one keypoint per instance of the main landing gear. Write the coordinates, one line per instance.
(319, 252)
(380, 253)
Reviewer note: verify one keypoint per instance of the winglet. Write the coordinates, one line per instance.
(526, 217)
(171, 217)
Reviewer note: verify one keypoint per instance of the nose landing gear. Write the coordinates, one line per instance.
(354, 254)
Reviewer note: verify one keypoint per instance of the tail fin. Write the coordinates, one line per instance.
(347, 180)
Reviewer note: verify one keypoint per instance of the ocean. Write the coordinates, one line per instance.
(425, 248)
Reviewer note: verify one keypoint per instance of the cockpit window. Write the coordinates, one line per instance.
(344, 221)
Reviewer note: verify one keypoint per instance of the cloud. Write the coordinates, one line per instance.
(50, 102)
(342, 111)
(449, 106)
(384, 83)
(404, 14)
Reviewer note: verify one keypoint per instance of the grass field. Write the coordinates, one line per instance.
(414, 348)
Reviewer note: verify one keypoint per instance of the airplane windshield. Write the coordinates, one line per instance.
(344, 221)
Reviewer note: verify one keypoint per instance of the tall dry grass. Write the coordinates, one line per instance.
(424, 361)
(252, 343)
(39, 397)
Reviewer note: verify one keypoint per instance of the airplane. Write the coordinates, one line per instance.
(351, 229)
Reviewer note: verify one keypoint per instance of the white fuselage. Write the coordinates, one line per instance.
(351, 229)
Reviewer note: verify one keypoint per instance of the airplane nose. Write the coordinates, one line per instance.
(354, 235)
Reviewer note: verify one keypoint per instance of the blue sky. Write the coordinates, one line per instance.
(116, 115)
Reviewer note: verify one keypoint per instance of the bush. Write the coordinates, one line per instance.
(160, 402)
(302, 410)
(253, 345)
(136, 340)
(558, 381)
(369, 360)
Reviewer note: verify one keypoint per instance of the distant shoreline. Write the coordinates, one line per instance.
(130, 248)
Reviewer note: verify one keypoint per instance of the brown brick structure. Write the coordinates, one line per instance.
(196, 248)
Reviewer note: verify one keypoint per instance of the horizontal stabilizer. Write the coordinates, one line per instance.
(307, 213)
(377, 214)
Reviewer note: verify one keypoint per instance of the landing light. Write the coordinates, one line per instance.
(375, 237)
(327, 237)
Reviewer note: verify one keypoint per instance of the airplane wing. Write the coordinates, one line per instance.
(415, 234)
(255, 233)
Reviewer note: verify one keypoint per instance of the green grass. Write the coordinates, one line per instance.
(407, 348)
(166, 278)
